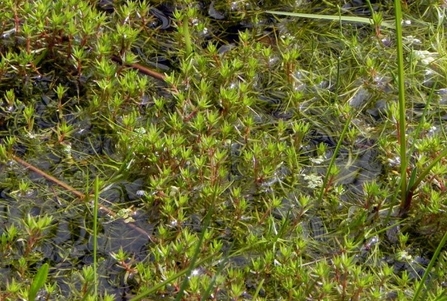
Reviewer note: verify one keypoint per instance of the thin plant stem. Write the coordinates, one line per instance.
(430, 266)
(415, 181)
(423, 117)
(141, 68)
(334, 155)
(195, 256)
(79, 194)
(170, 279)
(426, 170)
(402, 124)
(95, 233)
(207, 292)
(48, 177)
(258, 289)
(187, 35)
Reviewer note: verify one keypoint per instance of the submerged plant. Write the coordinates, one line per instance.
(233, 154)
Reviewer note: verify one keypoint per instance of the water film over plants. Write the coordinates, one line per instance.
(222, 150)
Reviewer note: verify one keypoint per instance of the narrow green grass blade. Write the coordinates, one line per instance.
(430, 266)
(205, 294)
(38, 282)
(170, 279)
(402, 107)
(414, 181)
(258, 289)
(425, 172)
(412, 178)
(417, 132)
(355, 19)
(95, 234)
(334, 156)
(192, 265)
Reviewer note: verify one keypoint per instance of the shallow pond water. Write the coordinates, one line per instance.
(158, 150)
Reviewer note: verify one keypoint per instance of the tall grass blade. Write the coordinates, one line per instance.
(95, 234)
(38, 282)
(258, 289)
(334, 156)
(355, 19)
(192, 265)
(430, 266)
(414, 180)
(425, 172)
(207, 292)
(404, 205)
(170, 279)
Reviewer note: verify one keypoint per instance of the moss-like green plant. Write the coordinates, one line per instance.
(258, 162)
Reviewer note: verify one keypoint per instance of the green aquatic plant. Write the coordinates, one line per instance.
(266, 126)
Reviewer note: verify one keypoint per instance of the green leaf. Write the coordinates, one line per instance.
(38, 282)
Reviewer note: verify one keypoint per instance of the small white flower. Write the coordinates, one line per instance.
(318, 160)
(67, 148)
(394, 161)
(140, 130)
(140, 193)
(432, 131)
(313, 181)
(412, 40)
(425, 57)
